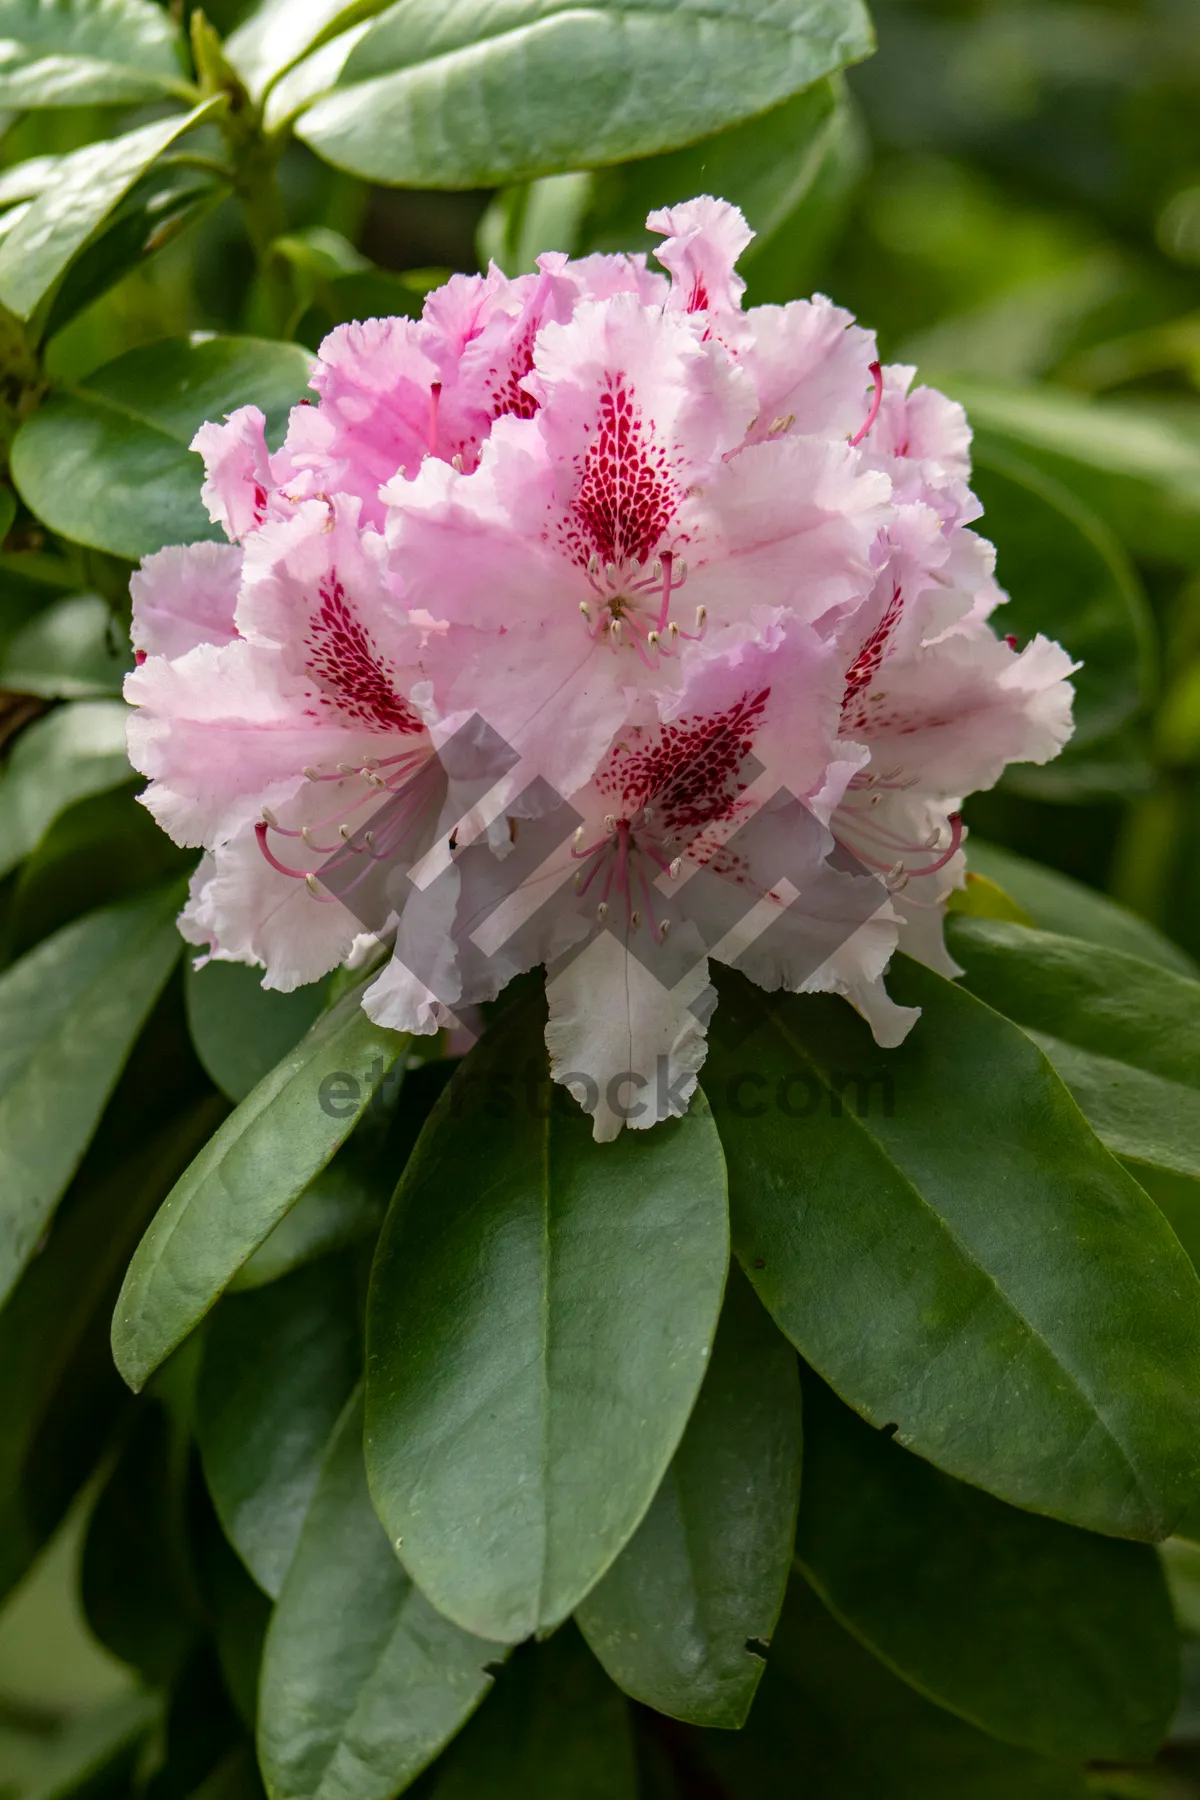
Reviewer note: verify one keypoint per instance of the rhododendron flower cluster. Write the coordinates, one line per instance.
(708, 576)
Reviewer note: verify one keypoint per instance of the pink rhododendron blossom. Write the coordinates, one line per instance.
(589, 621)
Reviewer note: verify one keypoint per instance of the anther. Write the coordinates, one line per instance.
(784, 423)
(602, 911)
(586, 610)
(579, 881)
(269, 817)
(579, 834)
(611, 572)
(652, 639)
(635, 919)
(701, 617)
(673, 870)
(656, 569)
(593, 564)
(345, 833)
(310, 882)
(664, 930)
(456, 462)
(349, 768)
(610, 821)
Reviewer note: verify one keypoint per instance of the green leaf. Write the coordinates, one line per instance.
(89, 183)
(73, 650)
(278, 1366)
(279, 32)
(362, 1681)
(475, 95)
(241, 1029)
(787, 170)
(74, 752)
(829, 1709)
(1057, 903)
(1123, 1034)
(58, 1392)
(1137, 470)
(71, 1011)
(958, 1255)
(555, 1729)
(682, 1618)
(245, 1180)
(1066, 575)
(162, 203)
(109, 465)
(349, 1200)
(87, 53)
(1043, 1635)
(135, 1582)
(540, 1317)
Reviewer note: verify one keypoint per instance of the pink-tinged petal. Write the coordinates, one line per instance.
(629, 1049)
(635, 408)
(921, 424)
(856, 971)
(223, 731)
(183, 596)
(599, 277)
(952, 717)
(810, 365)
(242, 910)
(314, 586)
(238, 471)
(703, 240)
(791, 523)
(375, 415)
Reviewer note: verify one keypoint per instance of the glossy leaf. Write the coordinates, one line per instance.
(74, 752)
(58, 1391)
(829, 1708)
(88, 184)
(555, 1729)
(278, 1366)
(1057, 903)
(1043, 1635)
(776, 167)
(682, 1619)
(71, 1011)
(943, 1238)
(540, 1318)
(109, 464)
(363, 1682)
(1138, 470)
(163, 202)
(241, 1029)
(74, 650)
(473, 96)
(245, 1180)
(279, 32)
(87, 53)
(1066, 576)
(1124, 1036)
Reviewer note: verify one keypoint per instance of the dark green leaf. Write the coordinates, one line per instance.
(74, 650)
(136, 1583)
(1139, 471)
(1067, 576)
(1123, 1034)
(682, 1618)
(165, 201)
(362, 1681)
(238, 1611)
(475, 95)
(1046, 1636)
(278, 1365)
(98, 1751)
(71, 1010)
(786, 169)
(250, 1174)
(958, 1255)
(87, 53)
(241, 1029)
(540, 1317)
(1057, 903)
(109, 464)
(75, 751)
(88, 184)
(555, 1729)
(829, 1709)
(58, 1392)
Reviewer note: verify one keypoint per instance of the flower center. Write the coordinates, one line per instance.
(632, 606)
